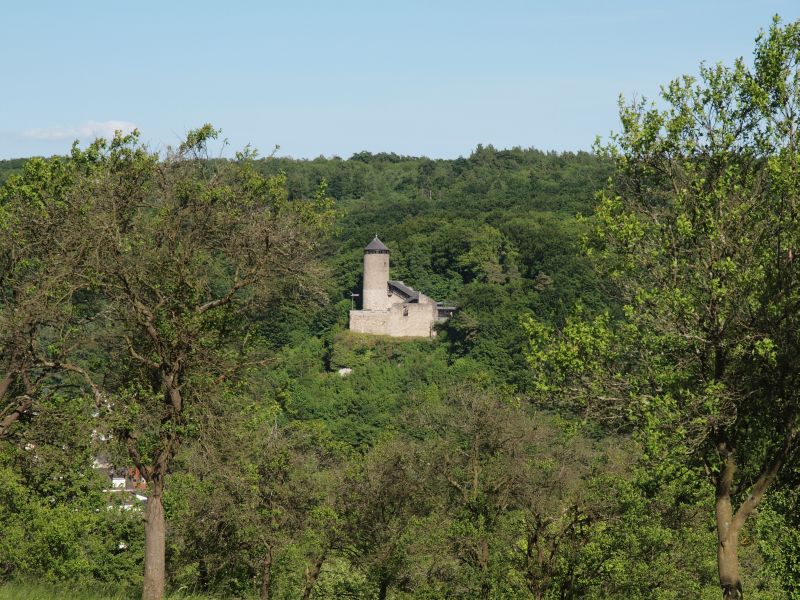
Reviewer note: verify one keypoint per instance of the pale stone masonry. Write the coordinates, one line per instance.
(390, 307)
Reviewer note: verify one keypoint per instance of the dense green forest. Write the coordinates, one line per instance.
(612, 411)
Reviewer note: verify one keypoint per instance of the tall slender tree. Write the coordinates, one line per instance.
(183, 248)
(698, 235)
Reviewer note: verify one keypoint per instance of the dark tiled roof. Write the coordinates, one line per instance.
(376, 246)
(398, 286)
(444, 312)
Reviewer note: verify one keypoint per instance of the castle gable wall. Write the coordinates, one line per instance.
(412, 320)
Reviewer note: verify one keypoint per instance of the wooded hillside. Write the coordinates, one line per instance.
(611, 412)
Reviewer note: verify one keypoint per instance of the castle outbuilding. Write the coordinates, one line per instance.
(390, 307)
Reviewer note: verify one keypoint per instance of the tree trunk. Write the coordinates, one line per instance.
(383, 589)
(728, 552)
(728, 534)
(266, 574)
(729, 525)
(202, 574)
(312, 573)
(24, 403)
(483, 564)
(154, 548)
(728, 560)
(5, 382)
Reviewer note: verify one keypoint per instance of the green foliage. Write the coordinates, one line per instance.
(694, 234)
(531, 450)
(388, 374)
(10, 167)
(59, 524)
(778, 536)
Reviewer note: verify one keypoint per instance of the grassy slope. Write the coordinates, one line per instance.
(23, 591)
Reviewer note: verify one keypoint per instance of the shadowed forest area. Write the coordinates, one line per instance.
(612, 411)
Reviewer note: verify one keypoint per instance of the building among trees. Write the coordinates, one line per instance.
(390, 307)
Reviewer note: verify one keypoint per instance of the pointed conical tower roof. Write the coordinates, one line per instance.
(376, 246)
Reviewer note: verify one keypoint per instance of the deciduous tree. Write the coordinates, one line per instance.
(698, 235)
(182, 248)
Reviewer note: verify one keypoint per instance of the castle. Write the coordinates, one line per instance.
(390, 307)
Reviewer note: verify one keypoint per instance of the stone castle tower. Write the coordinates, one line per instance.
(389, 306)
(376, 276)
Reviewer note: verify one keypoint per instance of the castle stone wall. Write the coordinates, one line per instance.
(375, 322)
(401, 320)
(412, 320)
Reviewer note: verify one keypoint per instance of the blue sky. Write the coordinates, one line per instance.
(431, 78)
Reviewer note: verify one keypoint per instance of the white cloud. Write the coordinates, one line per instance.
(87, 131)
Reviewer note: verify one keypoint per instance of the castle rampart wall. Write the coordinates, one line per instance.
(401, 320)
(370, 321)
